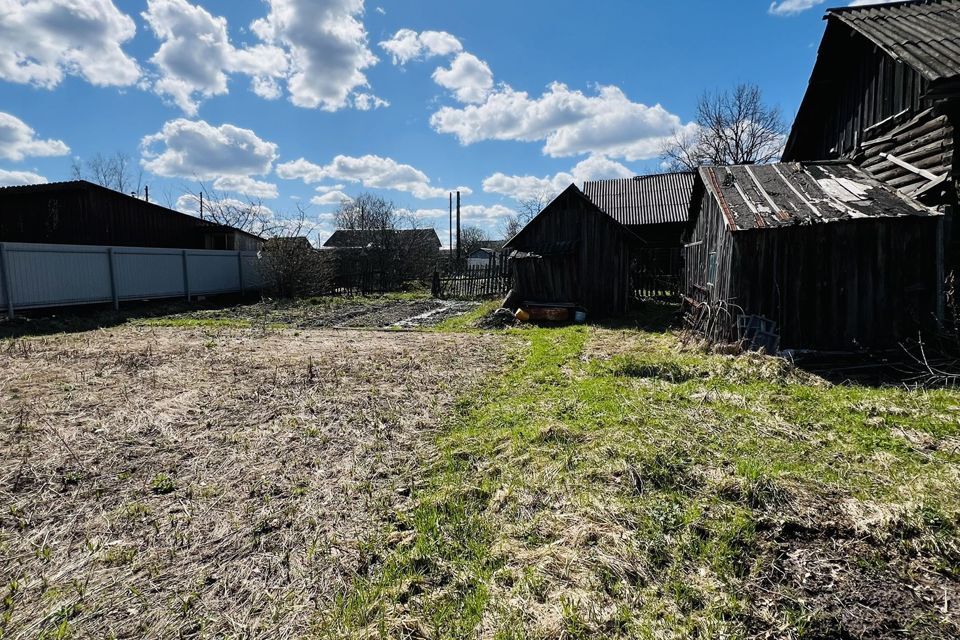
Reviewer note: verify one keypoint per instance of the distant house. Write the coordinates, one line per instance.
(824, 254)
(489, 253)
(573, 253)
(83, 213)
(392, 254)
(656, 209)
(885, 95)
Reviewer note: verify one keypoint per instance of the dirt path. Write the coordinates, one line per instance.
(162, 482)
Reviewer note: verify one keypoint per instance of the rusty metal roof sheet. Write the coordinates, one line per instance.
(792, 193)
(925, 34)
(653, 199)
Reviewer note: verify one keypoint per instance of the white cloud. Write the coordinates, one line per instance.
(18, 141)
(407, 45)
(468, 77)
(195, 149)
(368, 101)
(374, 172)
(196, 55)
(16, 178)
(43, 40)
(489, 217)
(246, 186)
(567, 121)
(326, 44)
(330, 197)
(793, 7)
(524, 187)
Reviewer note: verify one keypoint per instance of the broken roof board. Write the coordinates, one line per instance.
(792, 193)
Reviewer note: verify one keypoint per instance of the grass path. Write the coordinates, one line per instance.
(610, 484)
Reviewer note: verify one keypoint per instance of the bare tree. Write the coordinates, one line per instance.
(117, 172)
(290, 264)
(733, 127)
(367, 212)
(248, 215)
(527, 210)
(471, 239)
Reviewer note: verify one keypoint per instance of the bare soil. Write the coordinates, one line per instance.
(161, 482)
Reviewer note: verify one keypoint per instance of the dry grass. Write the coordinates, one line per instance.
(162, 482)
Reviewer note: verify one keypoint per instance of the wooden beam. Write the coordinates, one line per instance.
(909, 167)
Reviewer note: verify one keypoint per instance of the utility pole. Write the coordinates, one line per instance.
(450, 246)
(201, 205)
(458, 227)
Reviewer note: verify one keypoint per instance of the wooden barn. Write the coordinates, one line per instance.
(655, 208)
(80, 212)
(885, 94)
(573, 253)
(820, 254)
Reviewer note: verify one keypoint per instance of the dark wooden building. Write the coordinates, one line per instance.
(885, 94)
(83, 213)
(573, 253)
(831, 256)
(655, 208)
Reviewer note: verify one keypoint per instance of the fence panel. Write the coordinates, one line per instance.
(472, 282)
(40, 275)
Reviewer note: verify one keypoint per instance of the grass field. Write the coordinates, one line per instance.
(570, 482)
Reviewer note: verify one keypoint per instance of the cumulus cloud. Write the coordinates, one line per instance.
(246, 186)
(330, 197)
(18, 141)
(368, 101)
(196, 55)
(527, 186)
(195, 149)
(374, 172)
(487, 217)
(407, 45)
(43, 40)
(17, 178)
(567, 121)
(326, 45)
(468, 77)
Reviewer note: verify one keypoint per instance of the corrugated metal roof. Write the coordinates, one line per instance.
(925, 34)
(792, 193)
(654, 199)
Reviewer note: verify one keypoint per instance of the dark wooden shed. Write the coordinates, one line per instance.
(885, 94)
(656, 209)
(832, 256)
(80, 212)
(573, 253)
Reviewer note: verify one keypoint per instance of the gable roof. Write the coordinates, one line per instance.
(353, 238)
(654, 199)
(139, 204)
(793, 193)
(564, 245)
(924, 34)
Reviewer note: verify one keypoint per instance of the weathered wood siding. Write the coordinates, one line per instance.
(586, 257)
(854, 86)
(835, 285)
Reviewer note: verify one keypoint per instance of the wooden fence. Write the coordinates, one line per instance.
(657, 273)
(472, 282)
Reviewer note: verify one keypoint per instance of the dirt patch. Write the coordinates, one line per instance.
(498, 319)
(162, 482)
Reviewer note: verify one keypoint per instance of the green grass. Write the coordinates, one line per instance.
(190, 322)
(611, 484)
(466, 321)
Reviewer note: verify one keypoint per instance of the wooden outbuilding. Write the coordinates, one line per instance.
(820, 254)
(885, 94)
(573, 253)
(80, 212)
(655, 208)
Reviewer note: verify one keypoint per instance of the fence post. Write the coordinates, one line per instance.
(240, 270)
(5, 272)
(436, 284)
(186, 276)
(113, 279)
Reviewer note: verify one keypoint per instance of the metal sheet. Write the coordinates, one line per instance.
(654, 199)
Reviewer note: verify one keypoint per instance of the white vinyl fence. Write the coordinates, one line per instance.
(52, 275)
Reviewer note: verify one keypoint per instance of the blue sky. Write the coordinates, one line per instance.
(307, 101)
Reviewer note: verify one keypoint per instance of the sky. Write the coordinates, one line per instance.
(302, 103)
